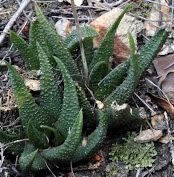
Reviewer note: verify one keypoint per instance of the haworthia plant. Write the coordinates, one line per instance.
(124, 91)
(65, 151)
(94, 140)
(28, 109)
(70, 106)
(94, 77)
(55, 126)
(72, 43)
(145, 57)
(71, 40)
(99, 64)
(36, 137)
(51, 100)
(57, 48)
(29, 56)
(105, 49)
(27, 157)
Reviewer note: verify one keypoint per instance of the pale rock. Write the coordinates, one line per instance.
(167, 49)
(128, 24)
(166, 139)
(76, 2)
(158, 122)
(100, 105)
(32, 84)
(63, 27)
(148, 135)
(2, 63)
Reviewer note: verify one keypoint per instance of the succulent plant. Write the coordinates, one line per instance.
(55, 126)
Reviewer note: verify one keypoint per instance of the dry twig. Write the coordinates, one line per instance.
(50, 169)
(22, 6)
(10, 143)
(161, 91)
(2, 158)
(71, 167)
(151, 110)
(85, 67)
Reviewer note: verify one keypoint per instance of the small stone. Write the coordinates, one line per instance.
(148, 135)
(63, 27)
(100, 105)
(76, 2)
(166, 139)
(158, 122)
(2, 63)
(121, 43)
(32, 84)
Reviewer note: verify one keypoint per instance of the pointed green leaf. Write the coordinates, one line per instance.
(27, 158)
(146, 55)
(111, 81)
(28, 54)
(31, 160)
(28, 109)
(56, 44)
(70, 107)
(131, 44)
(89, 119)
(38, 164)
(89, 53)
(36, 137)
(150, 50)
(58, 138)
(89, 50)
(36, 35)
(64, 152)
(50, 93)
(106, 46)
(72, 41)
(95, 139)
(98, 72)
(124, 92)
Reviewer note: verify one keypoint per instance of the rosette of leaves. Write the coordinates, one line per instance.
(55, 127)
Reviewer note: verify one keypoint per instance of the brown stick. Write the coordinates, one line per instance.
(22, 6)
(85, 67)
